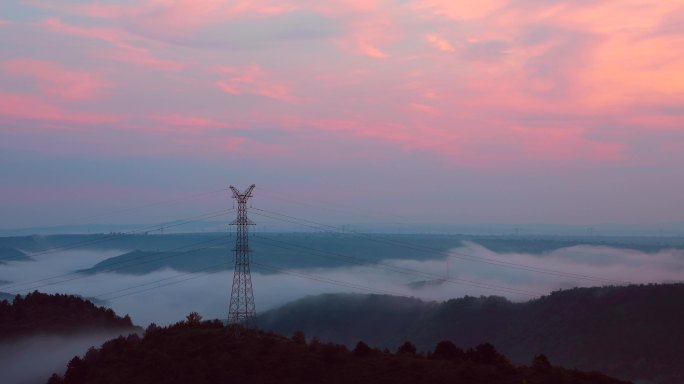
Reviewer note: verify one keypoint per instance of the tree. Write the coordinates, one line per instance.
(315, 344)
(193, 318)
(445, 349)
(362, 349)
(151, 329)
(486, 354)
(407, 349)
(76, 371)
(55, 379)
(299, 338)
(541, 363)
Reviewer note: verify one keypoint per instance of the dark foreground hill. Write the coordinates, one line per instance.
(632, 332)
(207, 352)
(40, 313)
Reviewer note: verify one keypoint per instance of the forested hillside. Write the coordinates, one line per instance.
(633, 332)
(207, 352)
(40, 313)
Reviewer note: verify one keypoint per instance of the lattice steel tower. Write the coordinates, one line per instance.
(242, 310)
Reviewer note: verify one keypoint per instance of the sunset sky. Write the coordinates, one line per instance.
(491, 111)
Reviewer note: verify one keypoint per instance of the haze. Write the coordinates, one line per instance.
(166, 296)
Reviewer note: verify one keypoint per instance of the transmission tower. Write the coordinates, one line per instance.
(242, 310)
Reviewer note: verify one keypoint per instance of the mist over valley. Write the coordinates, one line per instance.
(160, 278)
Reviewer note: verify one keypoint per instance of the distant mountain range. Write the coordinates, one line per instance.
(142, 254)
(631, 332)
(670, 229)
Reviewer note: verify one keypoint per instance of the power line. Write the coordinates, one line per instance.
(101, 239)
(459, 255)
(339, 208)
(260, 265)
(326, 280)
(160, 280)
(80, 275)
(402, 270)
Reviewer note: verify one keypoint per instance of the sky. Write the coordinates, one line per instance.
(496, 111)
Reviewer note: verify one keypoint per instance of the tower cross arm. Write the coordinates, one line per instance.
(245, 195)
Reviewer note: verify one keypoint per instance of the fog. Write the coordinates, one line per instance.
(167, 296)
(33, 359)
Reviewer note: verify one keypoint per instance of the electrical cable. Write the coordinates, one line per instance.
(402, 270)
(101, 239)
(459, 255)
(80, 275)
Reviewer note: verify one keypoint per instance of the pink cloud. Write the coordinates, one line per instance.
(424, 108)
(565, 144)
(408, 136)
(56, 81)
(252, 80)
(186, 140)
(31, 107)
(369, 50)
(126, 50)
(191, 121)
(183, 17)
(109, 35)
(439, 42)
(458, 10)
(368, 26)
(142, 57)
(221, 145)
(183, 124)
(511, 68)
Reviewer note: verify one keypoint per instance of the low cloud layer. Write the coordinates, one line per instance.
(166, 296)
(32, 360)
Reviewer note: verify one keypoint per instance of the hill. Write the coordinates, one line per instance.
(632, 332)
(40, 313)
(11, 254)
(207, 352)
(142, 253)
